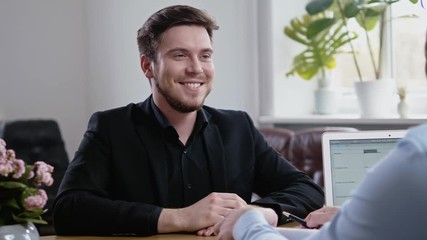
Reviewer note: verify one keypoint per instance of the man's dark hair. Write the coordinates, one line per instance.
(149, 34)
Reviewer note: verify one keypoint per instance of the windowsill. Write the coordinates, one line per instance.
(353, 119)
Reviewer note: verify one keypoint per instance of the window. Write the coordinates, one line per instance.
(409, 36)
(294, 96)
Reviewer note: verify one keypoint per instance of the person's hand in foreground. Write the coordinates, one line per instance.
(321, 216)
(224, 229)
(201, 216)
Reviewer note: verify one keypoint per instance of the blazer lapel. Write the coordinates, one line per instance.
(154, 147)
(216, 158)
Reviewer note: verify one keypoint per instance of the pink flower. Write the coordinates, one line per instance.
(2, 148)
(6, 168)
(43, 174)
(19, 168)
(36, 201)
(30, 175)
(10, 154)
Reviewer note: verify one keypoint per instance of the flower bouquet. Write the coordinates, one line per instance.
(21, 200)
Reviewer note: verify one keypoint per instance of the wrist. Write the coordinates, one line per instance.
(171, 220)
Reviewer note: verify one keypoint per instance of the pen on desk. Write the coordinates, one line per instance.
(296, 219)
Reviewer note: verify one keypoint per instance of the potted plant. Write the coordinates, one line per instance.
(21, 199)
(323, 40)
(369, 14)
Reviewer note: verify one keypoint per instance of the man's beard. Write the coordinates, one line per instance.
(176, 104)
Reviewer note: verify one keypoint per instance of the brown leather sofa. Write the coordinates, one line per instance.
(303, 148)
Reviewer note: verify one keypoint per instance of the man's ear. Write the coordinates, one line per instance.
(146, 66)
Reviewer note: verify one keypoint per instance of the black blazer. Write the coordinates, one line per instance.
(117, 183)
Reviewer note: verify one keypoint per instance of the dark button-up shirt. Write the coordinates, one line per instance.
(188, 170)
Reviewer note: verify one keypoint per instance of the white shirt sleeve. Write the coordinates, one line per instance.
(253, 226)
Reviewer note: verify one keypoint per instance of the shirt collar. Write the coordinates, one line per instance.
(158, 115)
(201, 119)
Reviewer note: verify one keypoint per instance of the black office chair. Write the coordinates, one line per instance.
(39, 140)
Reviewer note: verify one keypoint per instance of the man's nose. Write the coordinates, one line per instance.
(195, 66)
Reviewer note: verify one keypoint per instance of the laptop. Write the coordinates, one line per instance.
(348, 155)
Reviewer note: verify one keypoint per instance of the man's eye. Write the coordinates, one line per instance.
(206, 57)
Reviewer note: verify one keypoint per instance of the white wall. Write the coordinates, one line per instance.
(43, 64)
(115, 76)
(66, 59)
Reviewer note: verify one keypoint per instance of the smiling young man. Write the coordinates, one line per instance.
(170, 163)
(181, 75)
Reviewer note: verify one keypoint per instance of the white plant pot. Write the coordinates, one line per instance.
(19, 232)
(326, 101)
(375, 98)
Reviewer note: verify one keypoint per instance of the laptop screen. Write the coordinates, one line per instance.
(350, 155)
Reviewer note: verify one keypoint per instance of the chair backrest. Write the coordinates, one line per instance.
(39, 140)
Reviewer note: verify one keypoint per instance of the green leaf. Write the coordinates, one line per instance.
(306, 66)
(351, 10)
(25, 219)
(323, 37)
(369, 23)
(390, 1)
(38, 221)
(343, 39)
(317, 6)
(298, 26)
(12, 203)
(318, 26)
(12, 185)
(31, 214)
(307, 72)
(293, 35)
(331, 63)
